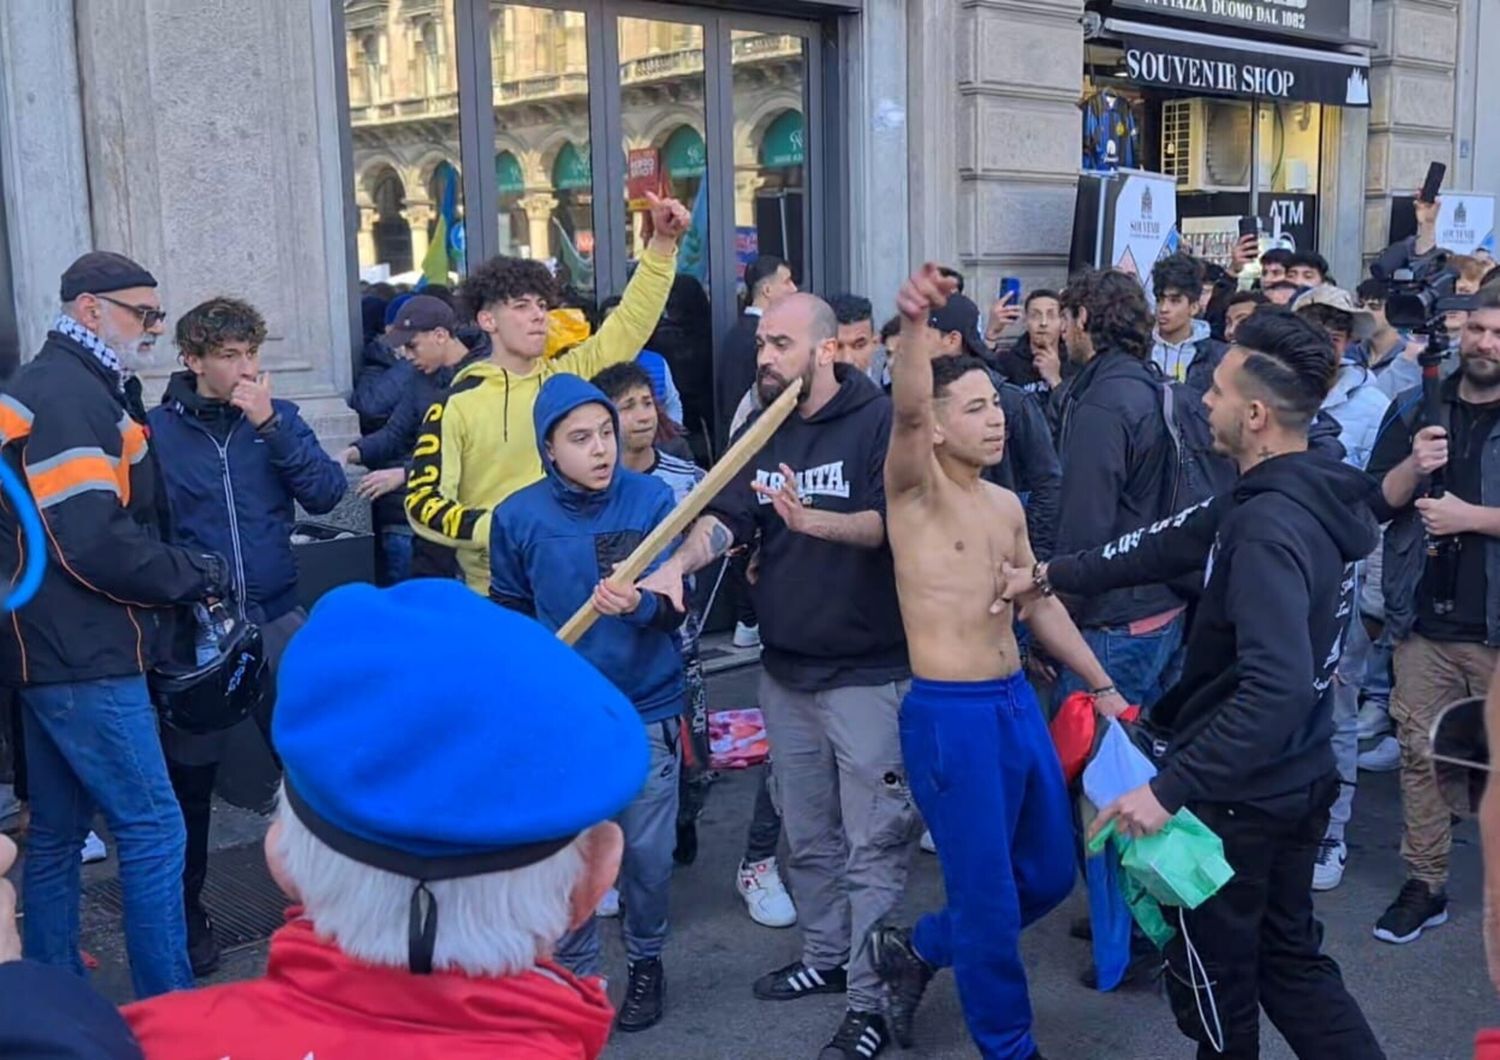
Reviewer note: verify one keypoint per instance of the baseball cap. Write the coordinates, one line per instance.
(1337, 298)
(960, 315)
(421, 312)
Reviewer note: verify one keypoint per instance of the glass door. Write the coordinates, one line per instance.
(665, 129)
(575, 109)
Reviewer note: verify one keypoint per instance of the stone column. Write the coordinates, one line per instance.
(877, 127)
(746, 183)
(1343, 169)
(418, 215)
(1412, 103)
(933, 150)
(368, 215)
(1017, 141)
(42, 153)
(539, 206)
(247, 199)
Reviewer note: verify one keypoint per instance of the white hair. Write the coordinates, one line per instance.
(493, 925)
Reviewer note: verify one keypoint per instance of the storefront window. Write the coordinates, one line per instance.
(539, 63)
(1291, 136)
(663, 115)
(403, 111)
(770, 182)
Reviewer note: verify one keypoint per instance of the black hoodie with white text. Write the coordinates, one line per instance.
(1248, 719)
(828, 612)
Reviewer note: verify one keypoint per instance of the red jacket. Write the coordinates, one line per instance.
(315, 1002)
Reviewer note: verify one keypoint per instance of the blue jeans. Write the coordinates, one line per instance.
(981, 752)
(1140, 665)
(92, 745)
(650, 827)
(395, 555)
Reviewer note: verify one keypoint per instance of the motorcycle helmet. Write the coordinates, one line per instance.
(218, 693)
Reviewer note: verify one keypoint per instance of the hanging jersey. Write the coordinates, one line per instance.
(1111, 138)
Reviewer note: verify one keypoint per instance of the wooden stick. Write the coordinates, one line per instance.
(722, 473)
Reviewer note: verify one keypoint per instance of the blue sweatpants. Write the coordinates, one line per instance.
(986, 778)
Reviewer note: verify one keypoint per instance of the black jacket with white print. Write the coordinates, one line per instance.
(828, 612)
(1248, 720)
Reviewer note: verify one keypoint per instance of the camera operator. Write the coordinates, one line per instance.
(1446, 634)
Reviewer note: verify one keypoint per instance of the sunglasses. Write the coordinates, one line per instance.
(149, 316)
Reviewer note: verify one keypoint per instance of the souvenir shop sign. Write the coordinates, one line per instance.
(1312, 19)
(1190, 63)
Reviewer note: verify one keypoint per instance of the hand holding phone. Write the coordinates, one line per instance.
(1433, 184)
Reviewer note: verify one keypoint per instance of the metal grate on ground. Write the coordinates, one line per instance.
(244, 902)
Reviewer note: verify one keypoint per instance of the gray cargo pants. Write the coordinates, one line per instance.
(848, 815)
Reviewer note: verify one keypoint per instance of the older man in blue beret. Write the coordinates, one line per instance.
(441, 828)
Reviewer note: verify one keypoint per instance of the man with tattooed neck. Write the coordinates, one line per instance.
(1248, 722)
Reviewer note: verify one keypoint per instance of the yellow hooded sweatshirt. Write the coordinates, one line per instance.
(477, 444)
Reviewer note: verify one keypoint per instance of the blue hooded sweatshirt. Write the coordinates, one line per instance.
(553, 541)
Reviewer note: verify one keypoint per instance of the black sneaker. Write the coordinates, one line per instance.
(1415, 910)
(800, 980)
(686, 850)
(905, 975)
(203, 946)
(644, 995)
(1145, 967)
(861, 1036)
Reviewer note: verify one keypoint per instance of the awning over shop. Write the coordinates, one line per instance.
(508, 178)
(683, 156)
(1184, 61)
(785, 141)
(571, 171)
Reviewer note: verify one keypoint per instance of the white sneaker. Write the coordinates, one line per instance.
(1374, 722)
(746, 636)
(765, 895)
(1384, 757)
(927, 844)
(609, 905)
(93, 849)
(1328, 869)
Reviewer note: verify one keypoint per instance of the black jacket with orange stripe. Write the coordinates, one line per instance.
(104, 604)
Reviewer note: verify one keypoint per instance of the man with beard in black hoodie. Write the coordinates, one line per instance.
(1249, 726)
(834, 657)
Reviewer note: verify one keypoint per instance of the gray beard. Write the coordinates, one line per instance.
(136, 355)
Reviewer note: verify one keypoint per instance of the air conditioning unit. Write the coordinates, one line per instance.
(1205, 144)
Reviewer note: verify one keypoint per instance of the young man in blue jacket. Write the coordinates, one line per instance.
(235, 463)
(552, 544)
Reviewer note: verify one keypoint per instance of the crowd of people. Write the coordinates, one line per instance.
(1207, 497)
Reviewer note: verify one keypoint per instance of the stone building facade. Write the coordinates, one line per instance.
(283, 151)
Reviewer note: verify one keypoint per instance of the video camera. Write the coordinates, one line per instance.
(1420, 298)
(1419, 301)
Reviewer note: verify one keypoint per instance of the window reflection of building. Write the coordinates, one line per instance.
(404, 113)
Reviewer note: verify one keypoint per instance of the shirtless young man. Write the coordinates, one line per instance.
(978, 753)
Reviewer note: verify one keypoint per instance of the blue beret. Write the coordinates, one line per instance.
(422, 726)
